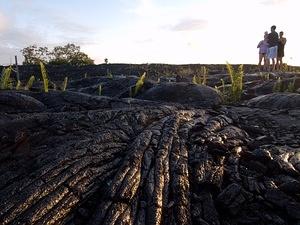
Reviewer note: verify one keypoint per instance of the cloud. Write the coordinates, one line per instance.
(273, 2)
(189, 25)
(3, 22)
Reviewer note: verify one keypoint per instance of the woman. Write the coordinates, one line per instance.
(263, 50)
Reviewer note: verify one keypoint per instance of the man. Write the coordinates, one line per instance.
(280, 52)
(273, 46)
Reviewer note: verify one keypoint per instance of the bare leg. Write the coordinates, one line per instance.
(259, 61)
(265, 63)
(279, 62)
(273, 64)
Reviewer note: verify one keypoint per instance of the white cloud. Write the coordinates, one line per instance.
(3, 22)
(189, 25)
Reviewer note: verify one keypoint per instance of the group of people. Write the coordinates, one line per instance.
(271, 49)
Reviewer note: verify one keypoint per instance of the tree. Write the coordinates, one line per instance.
(33, 54)
(68, 54)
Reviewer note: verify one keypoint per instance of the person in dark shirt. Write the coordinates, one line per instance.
(273, 46)
(280, 53)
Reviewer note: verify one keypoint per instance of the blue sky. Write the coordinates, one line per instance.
(150, 31)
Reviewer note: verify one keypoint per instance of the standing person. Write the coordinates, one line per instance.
(273, 46)
(263, 46)
(280, 52)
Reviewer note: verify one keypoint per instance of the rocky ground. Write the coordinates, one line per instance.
(174, 154)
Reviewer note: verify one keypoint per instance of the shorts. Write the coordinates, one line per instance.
(272, 52)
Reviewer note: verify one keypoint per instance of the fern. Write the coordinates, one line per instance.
(65, 83)
(200, 79)
(44, 76)
(100, 89)
(203, 73)
(278, 87)
(29, 83)
(236, 79)
(18, 86)
(139, 84)
(291, 86)
(5, 82)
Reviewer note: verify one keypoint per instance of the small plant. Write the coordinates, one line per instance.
(139, 84)
(236, 79)
(18, 86)
(278, 86)
(5, 82)
(264, 76)
(200, 79)
(100, 90)
(65, 83)
(29, 83)
(285, 67)
(291, 86)
(109, 74)
(44, 76)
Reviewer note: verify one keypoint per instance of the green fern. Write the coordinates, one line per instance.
(5, 82)
(44, 76)
(139, 84)
(278, 87)
(100, 90)
(29, 83)
(18, 86)
(236, 79)
(65, 83)
(201, 78)
(291, 86)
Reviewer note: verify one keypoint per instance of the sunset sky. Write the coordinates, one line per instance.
(150, 31)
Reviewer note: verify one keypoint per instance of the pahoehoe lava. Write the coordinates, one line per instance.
(143, 163)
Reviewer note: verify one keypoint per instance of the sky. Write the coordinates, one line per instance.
(150, 31)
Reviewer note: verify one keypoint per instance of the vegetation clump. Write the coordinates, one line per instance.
(139, 84)
(236, 80)
(29, 83)
(65, 83)
(5, 82)
(201, 78)
(44, 76)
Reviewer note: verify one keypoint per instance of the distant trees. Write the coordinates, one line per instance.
(68, 54)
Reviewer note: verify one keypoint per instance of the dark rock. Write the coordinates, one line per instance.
(183, 93)
(276, 101)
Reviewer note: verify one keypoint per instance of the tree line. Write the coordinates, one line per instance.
(68, 54)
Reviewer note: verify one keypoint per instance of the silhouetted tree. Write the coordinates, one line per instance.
(33, 54)
(68, 54)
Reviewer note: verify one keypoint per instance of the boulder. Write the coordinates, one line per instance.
(183, 93)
